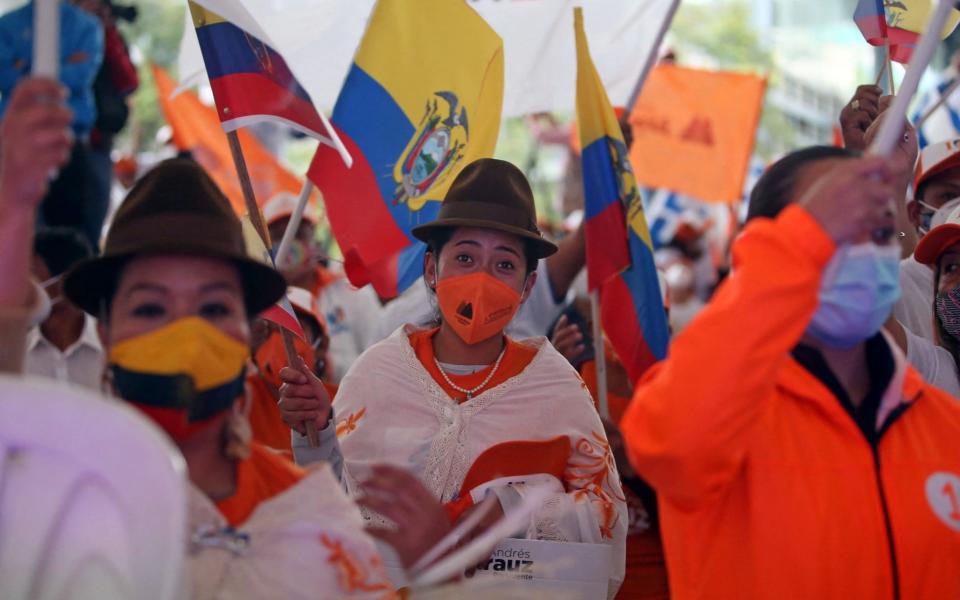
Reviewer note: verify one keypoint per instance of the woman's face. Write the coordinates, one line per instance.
(949, 265)
(473, 249)
(154, 291)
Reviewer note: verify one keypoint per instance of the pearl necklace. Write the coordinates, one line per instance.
(483, 384)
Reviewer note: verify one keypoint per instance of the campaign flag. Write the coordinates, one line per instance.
(897, 23)
(251, 82)
(421, 100)
(196, 129)
(693, 131)
(619, 250)
(282, 312)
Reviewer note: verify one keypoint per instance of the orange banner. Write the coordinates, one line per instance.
(196, 128)
(693, 131)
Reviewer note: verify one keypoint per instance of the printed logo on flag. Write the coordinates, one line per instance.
(437, 146)
(626, 183)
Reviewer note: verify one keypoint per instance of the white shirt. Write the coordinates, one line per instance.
(352, 316)
(416, 307)
(914, 309)
(82, 363)
(933, 362)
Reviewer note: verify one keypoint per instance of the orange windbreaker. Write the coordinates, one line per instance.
(768, 488)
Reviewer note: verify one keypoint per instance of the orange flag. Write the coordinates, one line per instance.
(693, 131)
(196, 128)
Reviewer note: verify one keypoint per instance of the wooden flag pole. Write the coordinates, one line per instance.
(600, 356)
(883, 69)
(291, 231)
(256, 219)
(651, 58)
(940, 102)
(892, 127)
(893, 89)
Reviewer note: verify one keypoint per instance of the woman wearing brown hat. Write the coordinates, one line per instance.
(468, 410)
(175, 293)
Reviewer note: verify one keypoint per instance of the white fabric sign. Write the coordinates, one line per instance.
(318, 39)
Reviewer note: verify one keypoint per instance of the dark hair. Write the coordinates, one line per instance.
(60, 248)
(774, 190)
(440, 238)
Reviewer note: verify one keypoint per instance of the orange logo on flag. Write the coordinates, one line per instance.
(693, 131)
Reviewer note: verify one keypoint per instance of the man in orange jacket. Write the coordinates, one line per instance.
(794, 451)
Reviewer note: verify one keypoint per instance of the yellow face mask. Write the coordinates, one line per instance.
(182, 373)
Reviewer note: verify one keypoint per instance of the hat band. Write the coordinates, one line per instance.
(490, 212)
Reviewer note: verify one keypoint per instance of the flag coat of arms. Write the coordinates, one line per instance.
(422, 99)
(619, 250)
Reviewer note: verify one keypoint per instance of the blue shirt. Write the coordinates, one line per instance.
(81, 52)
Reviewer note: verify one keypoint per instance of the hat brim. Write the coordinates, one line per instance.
(88, 283)
(936, 242)
(542, 248)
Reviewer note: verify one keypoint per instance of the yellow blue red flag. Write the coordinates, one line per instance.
(421, 100)
(898, 24)
(619, 251)
(251, 82)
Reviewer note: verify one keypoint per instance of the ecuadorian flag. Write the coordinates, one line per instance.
(898, 24)
(619, 250)
(250, 81)
(421, 100)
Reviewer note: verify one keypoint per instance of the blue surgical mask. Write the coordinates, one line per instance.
(859, 288)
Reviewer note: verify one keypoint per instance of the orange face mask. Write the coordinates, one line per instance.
(270, 357)
(478, 306)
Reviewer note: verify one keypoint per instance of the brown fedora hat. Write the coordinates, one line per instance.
(174, 209)
(492, 194)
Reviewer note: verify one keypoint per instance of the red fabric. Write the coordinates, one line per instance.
(123, 73)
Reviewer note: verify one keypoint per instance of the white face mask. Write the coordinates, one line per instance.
(938, 217)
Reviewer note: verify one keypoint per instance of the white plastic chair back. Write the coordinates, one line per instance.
(92, 498)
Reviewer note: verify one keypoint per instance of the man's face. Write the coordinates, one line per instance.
(939, 190)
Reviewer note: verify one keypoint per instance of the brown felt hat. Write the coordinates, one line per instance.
(492, 194)
(174, 209)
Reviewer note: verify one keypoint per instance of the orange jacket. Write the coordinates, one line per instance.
(768, 488)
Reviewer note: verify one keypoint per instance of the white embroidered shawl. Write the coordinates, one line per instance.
(390, 410)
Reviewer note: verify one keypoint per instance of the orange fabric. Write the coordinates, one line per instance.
(693, 131)
(260, 477)
(512, 459)
(324, 278)
(616, 403)
(515, 360)
(767, 487)
(196, 128)
(265, 419)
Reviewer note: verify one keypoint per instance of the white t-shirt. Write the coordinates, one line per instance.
(933, 362)
(352, 316)
(914, 309)
(416, 307)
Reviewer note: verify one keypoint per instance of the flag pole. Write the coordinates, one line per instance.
(893, 89)
(892, 127)
(883, 69)
(940, 102)
(600, 356)
(256, 219)
(291, 231)
(651, 58)
(46, 38)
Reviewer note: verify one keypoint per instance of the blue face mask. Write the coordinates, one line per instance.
(859, 288)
